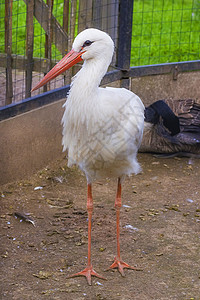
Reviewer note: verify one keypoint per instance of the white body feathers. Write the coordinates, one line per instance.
(102, 127)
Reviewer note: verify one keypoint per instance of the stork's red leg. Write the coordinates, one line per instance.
(88, 271)
(118, 263)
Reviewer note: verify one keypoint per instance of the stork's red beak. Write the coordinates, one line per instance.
(64, 64)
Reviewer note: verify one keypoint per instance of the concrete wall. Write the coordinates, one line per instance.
(28, 142)
(31, 140)
(158, 87)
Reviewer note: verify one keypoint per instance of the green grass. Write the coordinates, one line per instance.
(163, 31)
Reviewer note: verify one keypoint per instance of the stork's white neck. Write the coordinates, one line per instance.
(86, 82)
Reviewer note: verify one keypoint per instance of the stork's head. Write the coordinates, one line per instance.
(89, 44)
(93, 43)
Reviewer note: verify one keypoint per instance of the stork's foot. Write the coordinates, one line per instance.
(88, 272)
(121, 266)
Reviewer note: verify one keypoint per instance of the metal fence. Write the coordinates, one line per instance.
(35, 34)
(149, 36)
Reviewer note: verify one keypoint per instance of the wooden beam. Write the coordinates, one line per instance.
(72, 22)
(66, 16)
(85, 14)
(8, 51)
(48, 39)
(66, 29)
(19, 62)
(109, 19)
(29, 47)
(59, 36)
(97, 14)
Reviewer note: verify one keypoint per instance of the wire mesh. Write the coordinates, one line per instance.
(55, 24)
(165, 31)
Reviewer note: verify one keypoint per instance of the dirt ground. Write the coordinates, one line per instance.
(160, 233)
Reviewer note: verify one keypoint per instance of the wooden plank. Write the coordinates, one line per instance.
(97, 14)
(72, 22)
(85, 14)
(66, 16)
(59, 36)
(110, 13)
(104, 17)
(29, 47)
(48, 39)
(66, 29)
(19, 62)
(8, 50)
(72, 26)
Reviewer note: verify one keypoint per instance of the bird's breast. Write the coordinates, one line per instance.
(105, 133)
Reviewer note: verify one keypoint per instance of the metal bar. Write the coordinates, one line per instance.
(29, 47)
(167, 68)
(124, 34)
(124, 38)
(8, 50)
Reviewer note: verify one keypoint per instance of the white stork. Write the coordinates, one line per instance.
(102, 127)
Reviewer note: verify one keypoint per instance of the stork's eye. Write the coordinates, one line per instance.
(87, 43)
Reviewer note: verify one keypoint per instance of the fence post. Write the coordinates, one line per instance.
(124, 39)
(48, 40)
(29, 46)
(105, 17)
(8, 50)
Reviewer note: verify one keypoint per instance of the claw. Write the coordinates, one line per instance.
(121, 266)
(88, 272)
